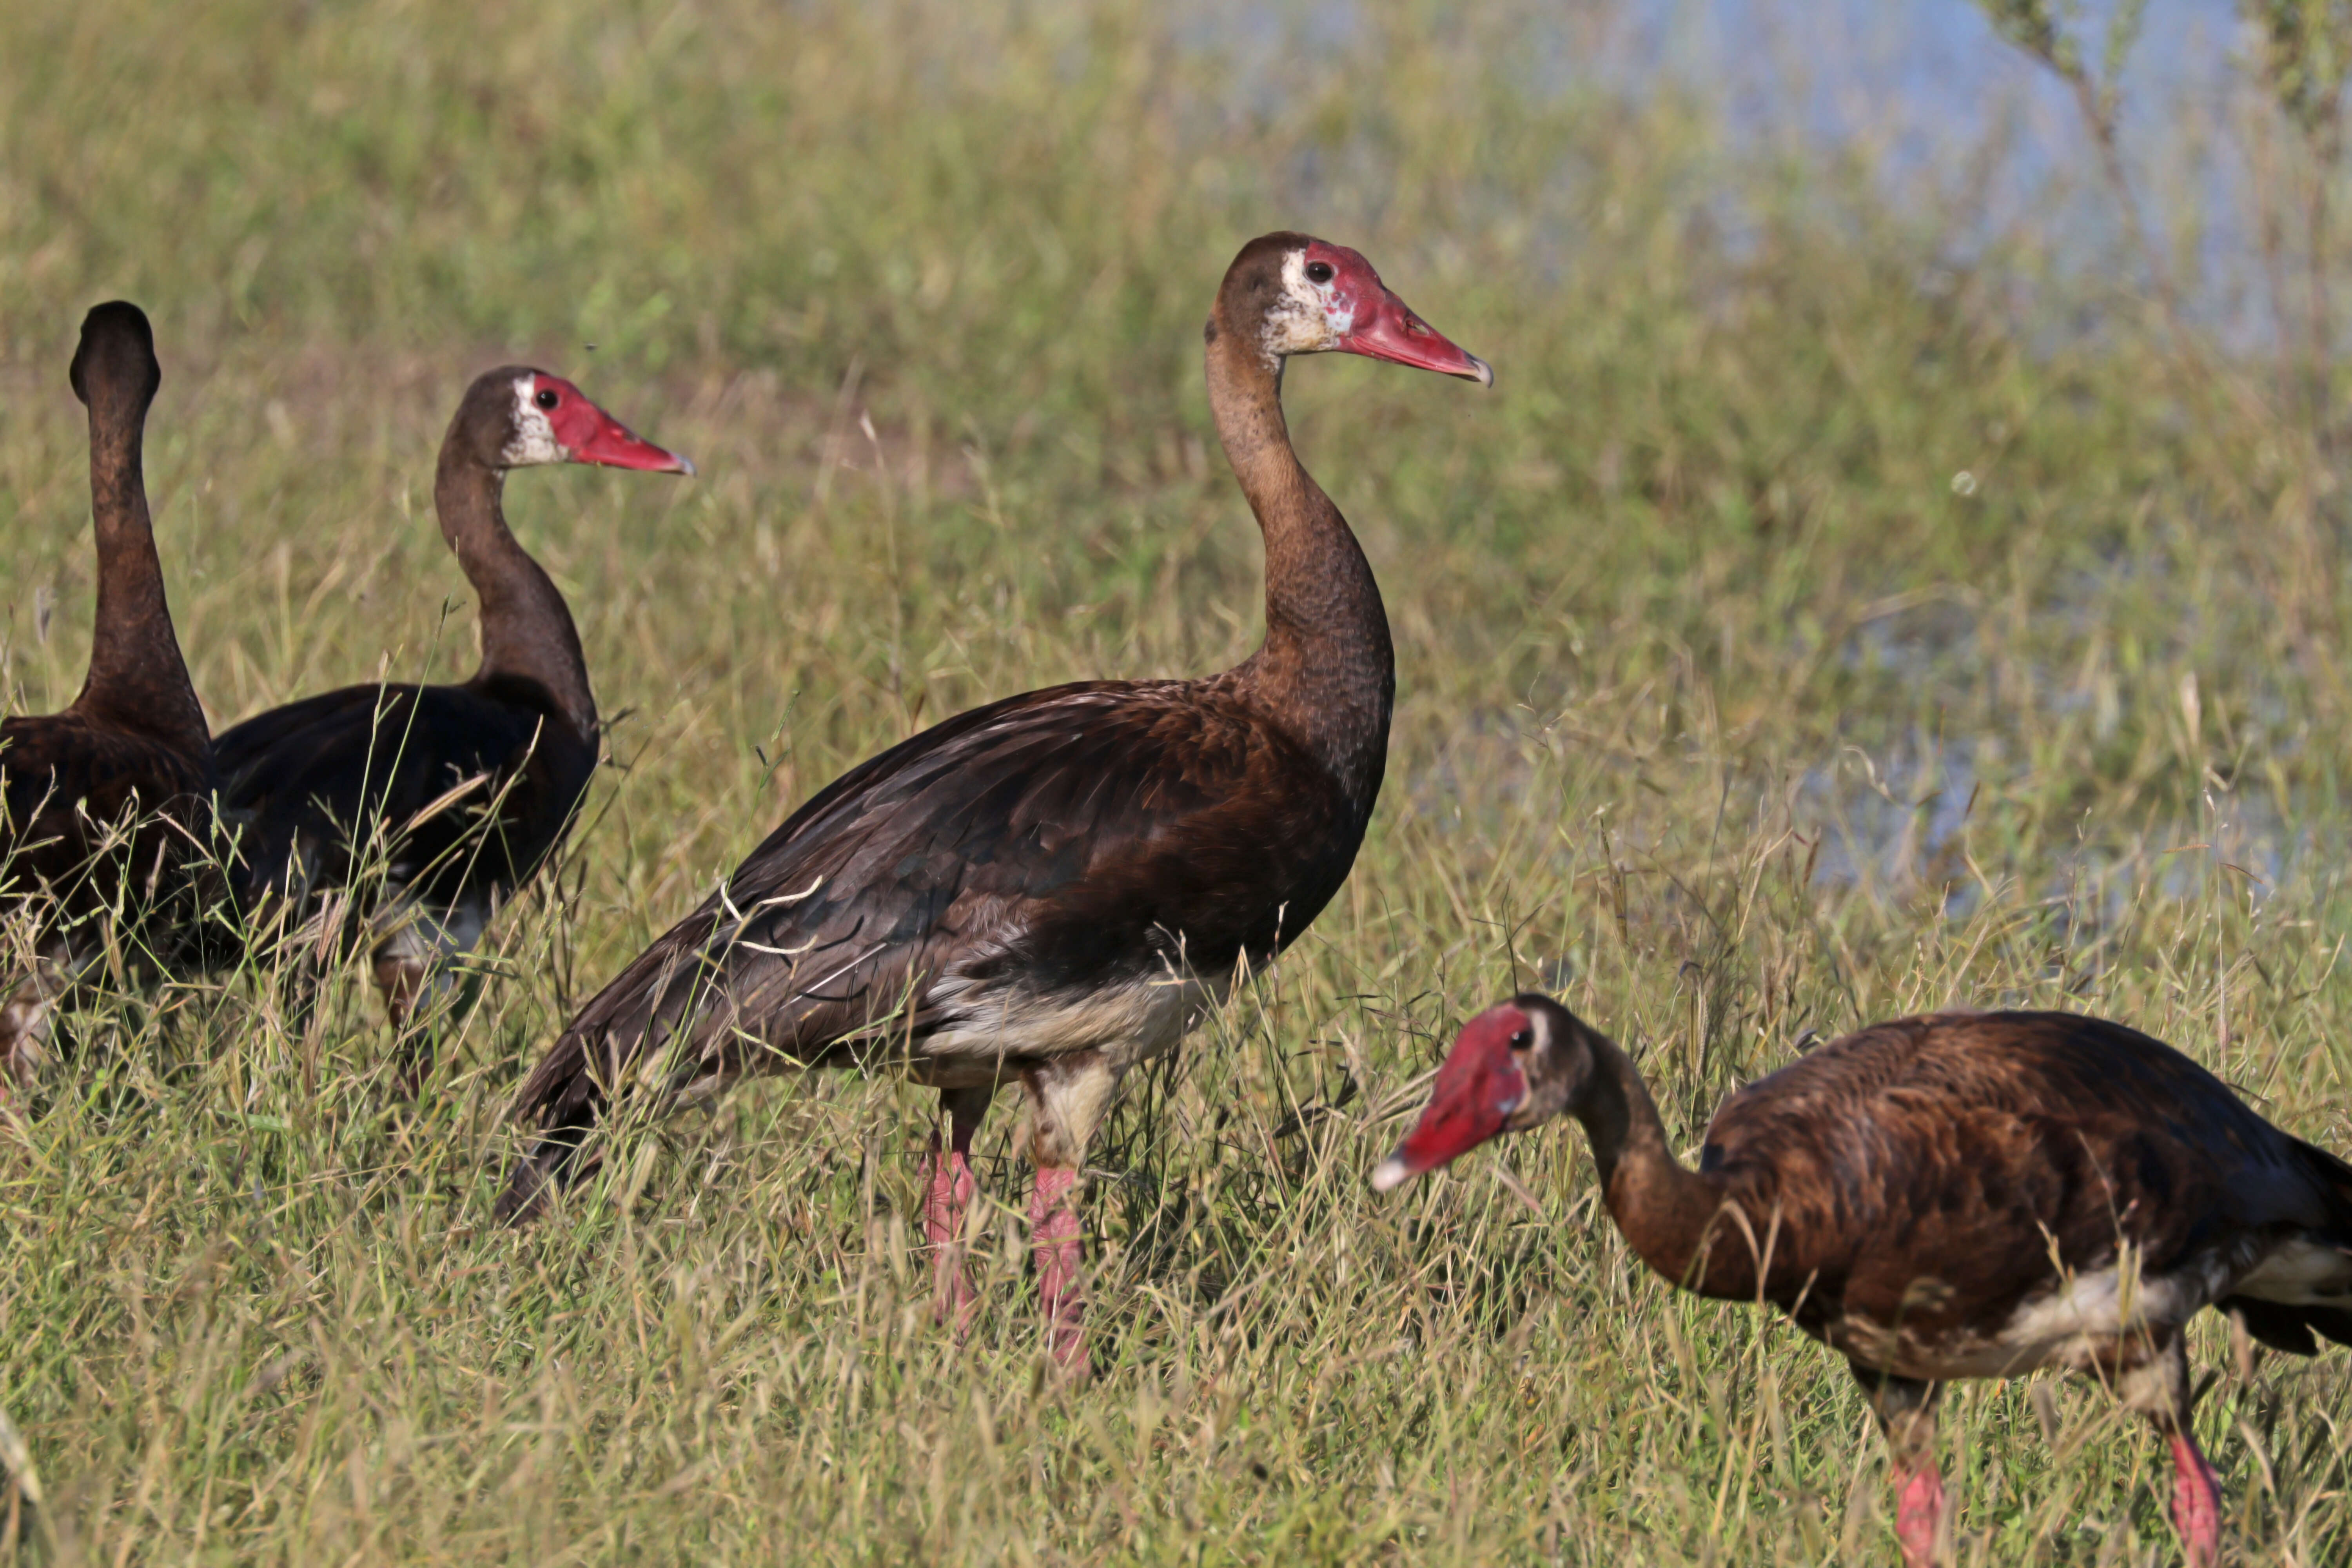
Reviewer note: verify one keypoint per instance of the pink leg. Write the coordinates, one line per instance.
(2196, 1503)
(947, 1200)
(1054, 1235)
(1918, 1514)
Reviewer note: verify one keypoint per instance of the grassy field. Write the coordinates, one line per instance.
(1820, 620)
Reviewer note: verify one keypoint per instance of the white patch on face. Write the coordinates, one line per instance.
(1310, 317)
(533, 442)
(1539, 1043)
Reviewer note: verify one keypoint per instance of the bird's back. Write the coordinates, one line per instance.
(1935, 1175)
(90, 804)
(1041, 852)
(451, 784)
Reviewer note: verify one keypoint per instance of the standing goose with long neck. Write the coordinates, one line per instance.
(1052, 887)
(1971, 1195)
(437, 803)
(108, 801)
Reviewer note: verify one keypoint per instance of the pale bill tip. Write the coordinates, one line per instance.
(1391, 1173)
(1486, 371)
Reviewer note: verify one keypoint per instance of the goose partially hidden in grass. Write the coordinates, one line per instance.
(453, 795)
(1971, 1195)
(107, 833)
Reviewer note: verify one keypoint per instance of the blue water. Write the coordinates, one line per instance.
(1951, 118)
(1946, 117)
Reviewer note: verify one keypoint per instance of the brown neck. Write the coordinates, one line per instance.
(137, 678)
(527, 629)
(1326, 670)
(1675, 1218)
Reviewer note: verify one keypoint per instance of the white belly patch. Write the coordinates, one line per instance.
(1129, 1023)
(2078, 1324)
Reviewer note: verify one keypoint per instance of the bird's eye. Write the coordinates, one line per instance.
(546, 398)
(1318, 272)
(1522, 1038)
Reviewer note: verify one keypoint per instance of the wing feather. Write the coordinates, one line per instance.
(1069, 838)
(71, 785)
(2011, 1145)
(455, 783)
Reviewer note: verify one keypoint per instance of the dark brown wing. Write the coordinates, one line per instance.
(1937, 1171)
(1055, 842)
(344, 784)
(97, 814)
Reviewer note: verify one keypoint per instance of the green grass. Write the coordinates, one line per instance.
(1721, 708)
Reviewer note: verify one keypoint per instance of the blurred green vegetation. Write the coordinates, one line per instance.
(1835, 610)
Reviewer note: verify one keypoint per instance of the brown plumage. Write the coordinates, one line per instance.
(453, 795)
(1050, 888)
(108, 803)
(1971, 1195)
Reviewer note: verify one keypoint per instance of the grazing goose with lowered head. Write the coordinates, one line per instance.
(1971, 1195)
(108, 804)
(1052, 887)
(435, 804)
